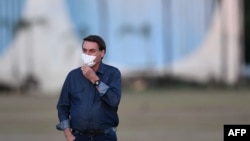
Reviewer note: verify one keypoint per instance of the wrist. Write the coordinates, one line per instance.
(67, 132)
(97, 82)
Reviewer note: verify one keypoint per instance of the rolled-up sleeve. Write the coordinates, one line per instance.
(102, 88)
(63, 125)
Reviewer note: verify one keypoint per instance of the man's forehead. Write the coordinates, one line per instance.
(89, 44)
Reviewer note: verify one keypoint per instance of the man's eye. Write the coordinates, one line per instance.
(92, 51)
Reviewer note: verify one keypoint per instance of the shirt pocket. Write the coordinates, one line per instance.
(77, 92)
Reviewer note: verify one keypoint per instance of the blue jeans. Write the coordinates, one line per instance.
(110, 136)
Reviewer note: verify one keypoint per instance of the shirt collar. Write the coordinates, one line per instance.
(101, 68)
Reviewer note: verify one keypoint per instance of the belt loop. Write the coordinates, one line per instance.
(114, 129)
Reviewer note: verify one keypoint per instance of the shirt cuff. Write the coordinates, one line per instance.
(102, 88)
(63, 125)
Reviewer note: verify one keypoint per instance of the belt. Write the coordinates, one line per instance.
(93, 132)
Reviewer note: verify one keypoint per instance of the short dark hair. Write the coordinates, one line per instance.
(97, 39)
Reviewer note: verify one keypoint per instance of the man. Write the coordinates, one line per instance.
(88, 104)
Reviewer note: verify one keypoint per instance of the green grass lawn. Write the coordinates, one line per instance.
(164, 115)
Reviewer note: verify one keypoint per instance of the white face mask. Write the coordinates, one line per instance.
(88, 59)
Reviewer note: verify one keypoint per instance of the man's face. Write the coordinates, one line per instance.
(91, 48)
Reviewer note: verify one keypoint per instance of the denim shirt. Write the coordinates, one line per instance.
(83, 106)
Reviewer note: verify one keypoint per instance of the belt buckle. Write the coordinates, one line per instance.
(94, 133)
